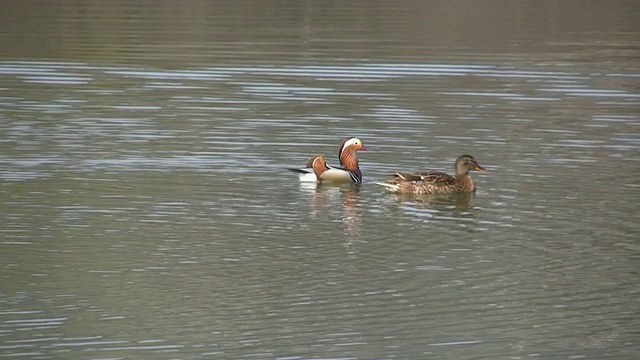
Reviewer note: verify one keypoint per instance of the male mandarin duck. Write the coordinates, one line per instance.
(434, 182)
(349, 171)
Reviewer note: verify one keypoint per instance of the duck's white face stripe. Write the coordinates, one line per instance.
(350, 142)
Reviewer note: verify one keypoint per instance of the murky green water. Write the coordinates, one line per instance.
(146, 214)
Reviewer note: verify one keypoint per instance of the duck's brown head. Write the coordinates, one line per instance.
(466, 163)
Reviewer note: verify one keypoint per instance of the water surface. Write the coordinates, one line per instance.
(146, 212)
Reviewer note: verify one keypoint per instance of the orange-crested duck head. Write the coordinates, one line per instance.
(348, 149)
(348, 158)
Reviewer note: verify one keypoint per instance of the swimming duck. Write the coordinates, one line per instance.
(349, 171)
(434, 182)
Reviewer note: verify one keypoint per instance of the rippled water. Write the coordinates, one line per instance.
(146, 212)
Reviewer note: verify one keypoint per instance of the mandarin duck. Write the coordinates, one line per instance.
(348, 172)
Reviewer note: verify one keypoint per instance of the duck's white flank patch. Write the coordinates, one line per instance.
(308, 177)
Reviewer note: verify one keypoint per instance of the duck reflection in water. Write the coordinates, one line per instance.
(324, 197)
(457, 201)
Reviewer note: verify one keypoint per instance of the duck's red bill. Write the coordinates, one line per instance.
(363, 148)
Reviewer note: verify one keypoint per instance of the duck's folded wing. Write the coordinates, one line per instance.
(402, 176)
(308, 167)
(437, 178)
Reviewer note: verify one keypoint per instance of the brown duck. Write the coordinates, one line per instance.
(435, 182)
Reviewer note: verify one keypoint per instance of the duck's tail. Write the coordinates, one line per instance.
(389, 187)
(299, 171)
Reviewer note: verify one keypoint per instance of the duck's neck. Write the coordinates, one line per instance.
(349, 161)
(465, 183)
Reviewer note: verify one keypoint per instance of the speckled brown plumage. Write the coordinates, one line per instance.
(434, 182)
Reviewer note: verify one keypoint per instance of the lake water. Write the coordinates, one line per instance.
(146, 214)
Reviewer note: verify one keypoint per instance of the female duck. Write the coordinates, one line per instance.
(349, 171)
(434, 182)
